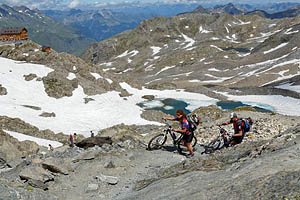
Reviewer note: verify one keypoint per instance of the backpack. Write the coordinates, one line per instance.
(247, 123)
(194, 121)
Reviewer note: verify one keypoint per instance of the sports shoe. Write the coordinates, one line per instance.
(189, 155)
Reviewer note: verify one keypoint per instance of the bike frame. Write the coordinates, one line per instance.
(170, 131)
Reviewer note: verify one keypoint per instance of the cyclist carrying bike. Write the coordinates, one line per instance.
(185, 129)
(239, 128)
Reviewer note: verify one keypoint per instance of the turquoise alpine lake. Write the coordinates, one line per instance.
(169, 105)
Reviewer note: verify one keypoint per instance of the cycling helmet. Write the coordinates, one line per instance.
(232, 115)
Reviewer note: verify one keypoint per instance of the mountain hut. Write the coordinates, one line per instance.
(13, 33)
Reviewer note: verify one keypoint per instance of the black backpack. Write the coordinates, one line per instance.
(194, 121)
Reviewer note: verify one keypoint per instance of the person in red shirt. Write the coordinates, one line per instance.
(185, 129)
(51, 147)
(239, 128)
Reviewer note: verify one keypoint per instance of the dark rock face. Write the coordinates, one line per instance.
(94, 141)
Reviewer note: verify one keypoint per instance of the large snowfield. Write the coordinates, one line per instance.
(109, 109)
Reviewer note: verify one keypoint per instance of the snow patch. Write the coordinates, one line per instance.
(188, 40)
(164, 69)
(202, 30)
(96, 75)
(71, 76)
(42, 142)
(155, 50)
(274, 49)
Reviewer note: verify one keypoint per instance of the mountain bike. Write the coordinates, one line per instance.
(223, 140)
(158, 141)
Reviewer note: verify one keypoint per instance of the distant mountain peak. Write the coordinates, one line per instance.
(228, 8)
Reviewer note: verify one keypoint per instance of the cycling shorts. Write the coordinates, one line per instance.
(238, 139)
(188, 138)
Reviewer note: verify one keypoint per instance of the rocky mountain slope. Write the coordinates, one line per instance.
(44, 30)
(195, 50)
(99, 24)
(126, 170)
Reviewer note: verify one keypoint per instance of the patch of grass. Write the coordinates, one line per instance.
(244, 108)
(29, 188)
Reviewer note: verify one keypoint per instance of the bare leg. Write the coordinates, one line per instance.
(190, 148)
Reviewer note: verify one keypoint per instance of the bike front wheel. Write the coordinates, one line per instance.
(157, 142)
(183, 149)
(214, 145)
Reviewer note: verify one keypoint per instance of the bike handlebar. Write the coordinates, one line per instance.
(166, 122)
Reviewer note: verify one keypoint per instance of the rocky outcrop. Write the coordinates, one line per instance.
(11, 148)
(94, 141)
(61, 166)
(3, 90)
(57, 84)
(19, 126)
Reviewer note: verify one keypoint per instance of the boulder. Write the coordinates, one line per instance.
(90, 155)
(92, 187)
(108, 179)
(94, 141)
(56, 165)
(36, 173)
(38, 184)
(3, 90)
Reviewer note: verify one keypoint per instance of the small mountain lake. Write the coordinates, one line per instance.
(169, 105)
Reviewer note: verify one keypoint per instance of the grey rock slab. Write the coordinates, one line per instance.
(90, 155)
(57, 165)
(36, 173)
(38, 184)
(92, 187)
(16, 162)
(108, 179)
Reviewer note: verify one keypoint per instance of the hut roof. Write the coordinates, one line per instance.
(12, 30)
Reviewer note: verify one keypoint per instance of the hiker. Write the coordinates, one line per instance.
(51, 147)
(92, 134)
(185, 129)
(75, 138)
(239, 128)
(71, 141)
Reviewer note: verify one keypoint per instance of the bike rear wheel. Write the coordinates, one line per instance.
(214, 145)
(183, 149)
(157, 142)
